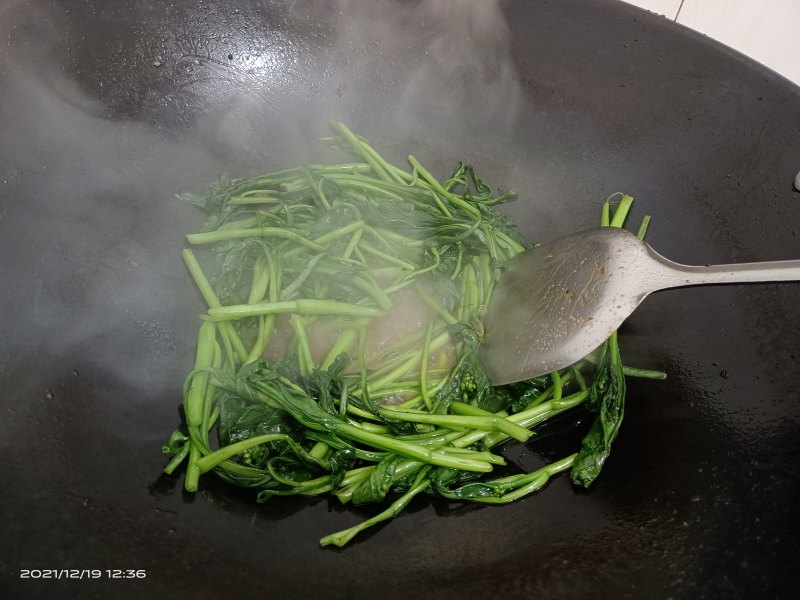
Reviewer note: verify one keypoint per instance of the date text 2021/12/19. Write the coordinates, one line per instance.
(82, 574)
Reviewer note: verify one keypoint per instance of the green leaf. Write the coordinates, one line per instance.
(449, 483)
(522, 394)
(607, 397)
(467, 380)
(377, 485)
(240, 419)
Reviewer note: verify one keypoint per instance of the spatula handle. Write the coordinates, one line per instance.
(783, 270)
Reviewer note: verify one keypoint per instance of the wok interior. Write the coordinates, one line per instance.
(568, 103)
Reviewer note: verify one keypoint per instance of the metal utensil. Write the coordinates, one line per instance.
(559, 301)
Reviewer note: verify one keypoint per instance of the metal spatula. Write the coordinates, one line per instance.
(559, 301)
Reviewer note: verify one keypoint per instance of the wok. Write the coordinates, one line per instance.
(107, 109)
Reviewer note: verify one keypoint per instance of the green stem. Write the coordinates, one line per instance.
(212, 237)
(409, 363)
(317, 189)
(351, 246)
(340, 232)
(532, 482)
(482, 423)
(462, 408)
(487, 456)
(301, 278)
(209, 461)
(192, 479)
(409, 450)
(515, 246)
(177, 459)
(373, 251)
(642, 232)
(557, 385)
(258, 286)
(363, 414)
(246, 200)
(343, 343)
(423, 367)
(439, 188)
(632, 371)
(204, 358)
(300, 307)
(399, 238)
(358, 148)
(306, 363)
(624, 206)
(211, 299)
(265, 326)
(208, 402)
(339, 539)
(643, 373)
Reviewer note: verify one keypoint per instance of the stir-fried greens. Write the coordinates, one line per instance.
(339, 351)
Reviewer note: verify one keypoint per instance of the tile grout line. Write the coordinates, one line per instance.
(678, 14)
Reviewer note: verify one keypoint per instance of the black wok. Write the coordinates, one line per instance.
(108, 108)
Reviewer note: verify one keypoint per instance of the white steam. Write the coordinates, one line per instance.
(95, 208)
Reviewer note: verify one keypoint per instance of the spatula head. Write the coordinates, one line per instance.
(559, 301)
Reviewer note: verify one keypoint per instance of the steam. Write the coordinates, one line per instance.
(439, 70)
(453, 57)
(89, 164)
(95, 139)
(90, 227)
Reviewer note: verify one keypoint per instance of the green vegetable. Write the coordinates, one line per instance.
(607, 397)
(607, 393)
(339, 351)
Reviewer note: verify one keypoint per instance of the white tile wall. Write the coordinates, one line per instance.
(668, 8)
(766, 30)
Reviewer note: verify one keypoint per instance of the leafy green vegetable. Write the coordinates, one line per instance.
(607, 397)
(339, 351)
(607, 392)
